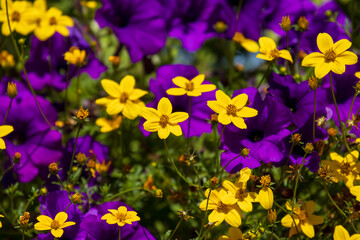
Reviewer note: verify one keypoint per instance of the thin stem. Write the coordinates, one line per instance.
(35, 195)
(205, 214)
(67, 92)
(296, 182)
(78, 92)
(351, 106)
(314, 115)
(176, 228)
(291, 215)
(222, 170)
(73, 153)
(176, 169)
(189, 122)
(217, 150)
(60, 181)
(266, 73)
(23, 66)
(126, 191)
(338, 208)
(119, 233)
(67, 206)
(338, 114)
(7, 111)
(7, 170)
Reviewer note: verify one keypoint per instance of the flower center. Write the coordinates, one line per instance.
(231, 110)
(345, 168)
(240, 195)
(189, 86)
(164, 121)
(274, 53)
(15, 16)
(302, 215)
(124, 97)
(55, 224)
(120, 216)
(53, 21)
(330, 56)
(221, 206)
(265, 181)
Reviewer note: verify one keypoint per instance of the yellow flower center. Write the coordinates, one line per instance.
(265, 181)
(189, 86)
(124, 97)
(302, 215)
(53, 21)
(221, 206)
(330, 56)
(164, 121)
(231, 110)
(240, 195)
(120, 216)
(15, 16)
(274, 53)
(55, 224)
(345, 168)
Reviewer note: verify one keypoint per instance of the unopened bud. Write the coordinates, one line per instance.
(158, 193)
(271, 216)
(332, 132)
(12, 90)
(53, 168)
(220, 27)
(213, 182)
(24, 220)
(81, 158)
(182, 158)
(303, 23)
(309, 147)
(82, 114)
(295, 139)
(76, 198)
(115, 61)
(313, 82)
(214, 118)
(245, 152)
(17, 157)
(43, 191)
(358, 86)
(285, 23)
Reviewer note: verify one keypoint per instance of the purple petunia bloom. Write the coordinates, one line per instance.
(193, 21)
(263, 135)
(200, 112)
(93, 228)
(52, 204)
(41, 73)
(32, 137)
(137, 24)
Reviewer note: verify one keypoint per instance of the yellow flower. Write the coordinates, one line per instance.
(249, 44)
(163, 120)
(333, 56)
(121, 216)
(355, 190)
(237, 192)
(89, 4)
(265, 196)
(269, 52)
(234, 234)
(53, 21)
(192, 88)
(357, 74)
(341, 233)
(75, 56)
(304, 219)
(56, 226)
(0, 221)
(221, 211)
(102, 167)
(344, 168)
(4, 130)
(232, 110)
(16, 12)
(108, 125)
(6, 59)
(123, 97)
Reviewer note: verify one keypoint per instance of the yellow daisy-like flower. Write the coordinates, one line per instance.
(249, 44)
(232, 110)
(163, 120)
(345, 168)
(56, 226)
(234, 234)
(238, 192)
(121, 216)
(333, 56)
(304, 219)
(221, 211)
(192, 88)
(75, 56)
(108, 125)
(269, 52)
(53, 21)
(123, 98)
(266, 195)
(0, 221)
(4, 130)
(341, 233)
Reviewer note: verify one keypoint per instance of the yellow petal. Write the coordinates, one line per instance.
(315, 220)
(240, 100)
(285, 54)
(5, 130)
(44, 219)
(245, 205)
(337, 67)
(151, 126)
(150, 114)
(357, 74)
(180, 81)
(111, 87)
(352, 157)
(122, 210)
(336, 157)
(194, 93)
(322, 69)
(2, 144)
(355, 237)
(228, 199)
(61, 217)
(313, 59)
(127, 84)
(247, 112)
(341, 46)
(206, 87)
(266, 44)
(176, 130)
(222, 98)
(324, 42)
(40, 226)
(164, 133)
(216, 107)
(164, 106)
(310, 207)
(293, 231)
(176, 91)
(250, 45)
(264, 57)
(308, 229)
(63, 30)
(67, 224)
(238, 122)
(235, 233)
(230, 186)
(340, 233)
(233, 217)
(177, 117)
(114, 107)
(356, 192)
(224, 118)
(198, 80)
(57, 233)
(130, 110)
(216, 217)
(137, 93)
(266, 198)
(287, 221)
(66, 21)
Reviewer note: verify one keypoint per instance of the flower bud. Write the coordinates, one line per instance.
(295, 139)
(12, 90)
(43, 191)
(332, 132)
(24, 220)
(313, 82)
(76, 198)
(309, 148)
(303, 23)
(271, 216)
(82, 114)
(285, 23)
(213, 182)
(53, 168)
(220, 27)
(81, 158)
(245, 152)
(115, 61)
(17, 157)
(158, 193)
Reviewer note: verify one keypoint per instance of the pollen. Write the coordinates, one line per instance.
(189, 86)
(124, 97)
(231, 110)
(303, 215)
(15, 16)
(82, 114)
(345, 168)
(53, 21)
(240, 194)
(274, 53)
(330, 56)
(164, 121)
(55, 224)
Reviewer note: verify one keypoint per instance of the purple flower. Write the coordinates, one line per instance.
(52, 204)
(193, 21)
(137, 24)
(95, 228)
(263, 135)
(41, 73)
(32, 137)
(200, 112)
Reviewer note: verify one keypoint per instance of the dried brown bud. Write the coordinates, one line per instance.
(182, 158)
(285, 23)
(332, 132)
(24, 220)
(271, 216)
(295, 138)
(313, 82)
(326, 173)
(17, 157)
(214, 180)
(214, 118)
(303, 23)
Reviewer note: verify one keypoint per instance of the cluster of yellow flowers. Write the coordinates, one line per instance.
(25, 17)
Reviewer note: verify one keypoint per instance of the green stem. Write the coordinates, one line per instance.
(119, 233)
(314, 115)
(217, 150)
(266, 73)
(189, 122)
(126, 191)
(78, 92)
(22, 235)
(7, 111)
(351, 106)
(296, 183)
(205, 214)
(338, 114)
(7, 170)
(67, 206)
(176, 169)
(66, 93)
(73, 153)
(291, 215)
(176, 228)
(35, 195)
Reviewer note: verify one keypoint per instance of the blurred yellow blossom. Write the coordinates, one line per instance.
(6, 59)
(4, 130)
(108, 125)
(234, 234)
(75, 56)
(265, 196)
(249, 44)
